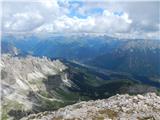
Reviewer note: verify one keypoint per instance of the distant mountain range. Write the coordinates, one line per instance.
(7, 47)
(74, 68)
(136, 56)
(139, 57)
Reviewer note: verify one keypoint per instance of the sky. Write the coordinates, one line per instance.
(118, 18)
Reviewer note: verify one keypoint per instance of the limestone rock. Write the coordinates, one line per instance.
(118, 107)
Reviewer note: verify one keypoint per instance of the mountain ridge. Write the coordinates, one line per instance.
(33, 84)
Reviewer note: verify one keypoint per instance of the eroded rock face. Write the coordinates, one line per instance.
(22, 76)
(118, 107)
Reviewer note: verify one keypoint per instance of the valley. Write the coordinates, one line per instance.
(50, 74)
(80, 60)
(40, 84)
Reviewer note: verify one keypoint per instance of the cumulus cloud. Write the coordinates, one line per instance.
(23, 22)
(121, 19)
(106, 23)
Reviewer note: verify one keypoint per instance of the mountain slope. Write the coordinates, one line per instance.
(7, 47)
(70, 47)
(31, 84)
(23, 76)
(139, 57)
(140, 107)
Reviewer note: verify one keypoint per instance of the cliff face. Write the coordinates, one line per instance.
(118, 107)
(22, 80)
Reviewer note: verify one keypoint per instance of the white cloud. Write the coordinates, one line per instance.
(24, 22)
(111, 23)
(67, 24)
(106, 23)
(26, 16)
(53, 16)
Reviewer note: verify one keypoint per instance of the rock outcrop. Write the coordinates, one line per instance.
(118, 107)
(23, 77)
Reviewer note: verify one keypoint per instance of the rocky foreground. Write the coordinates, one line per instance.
(118, 107)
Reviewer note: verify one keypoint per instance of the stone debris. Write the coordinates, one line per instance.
(118, 107)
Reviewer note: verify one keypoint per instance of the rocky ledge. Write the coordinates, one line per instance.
(118, 107)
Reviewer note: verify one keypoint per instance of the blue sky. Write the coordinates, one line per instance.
(74, 10)
(121, 19)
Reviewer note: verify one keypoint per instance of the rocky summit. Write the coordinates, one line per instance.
(118, 107)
